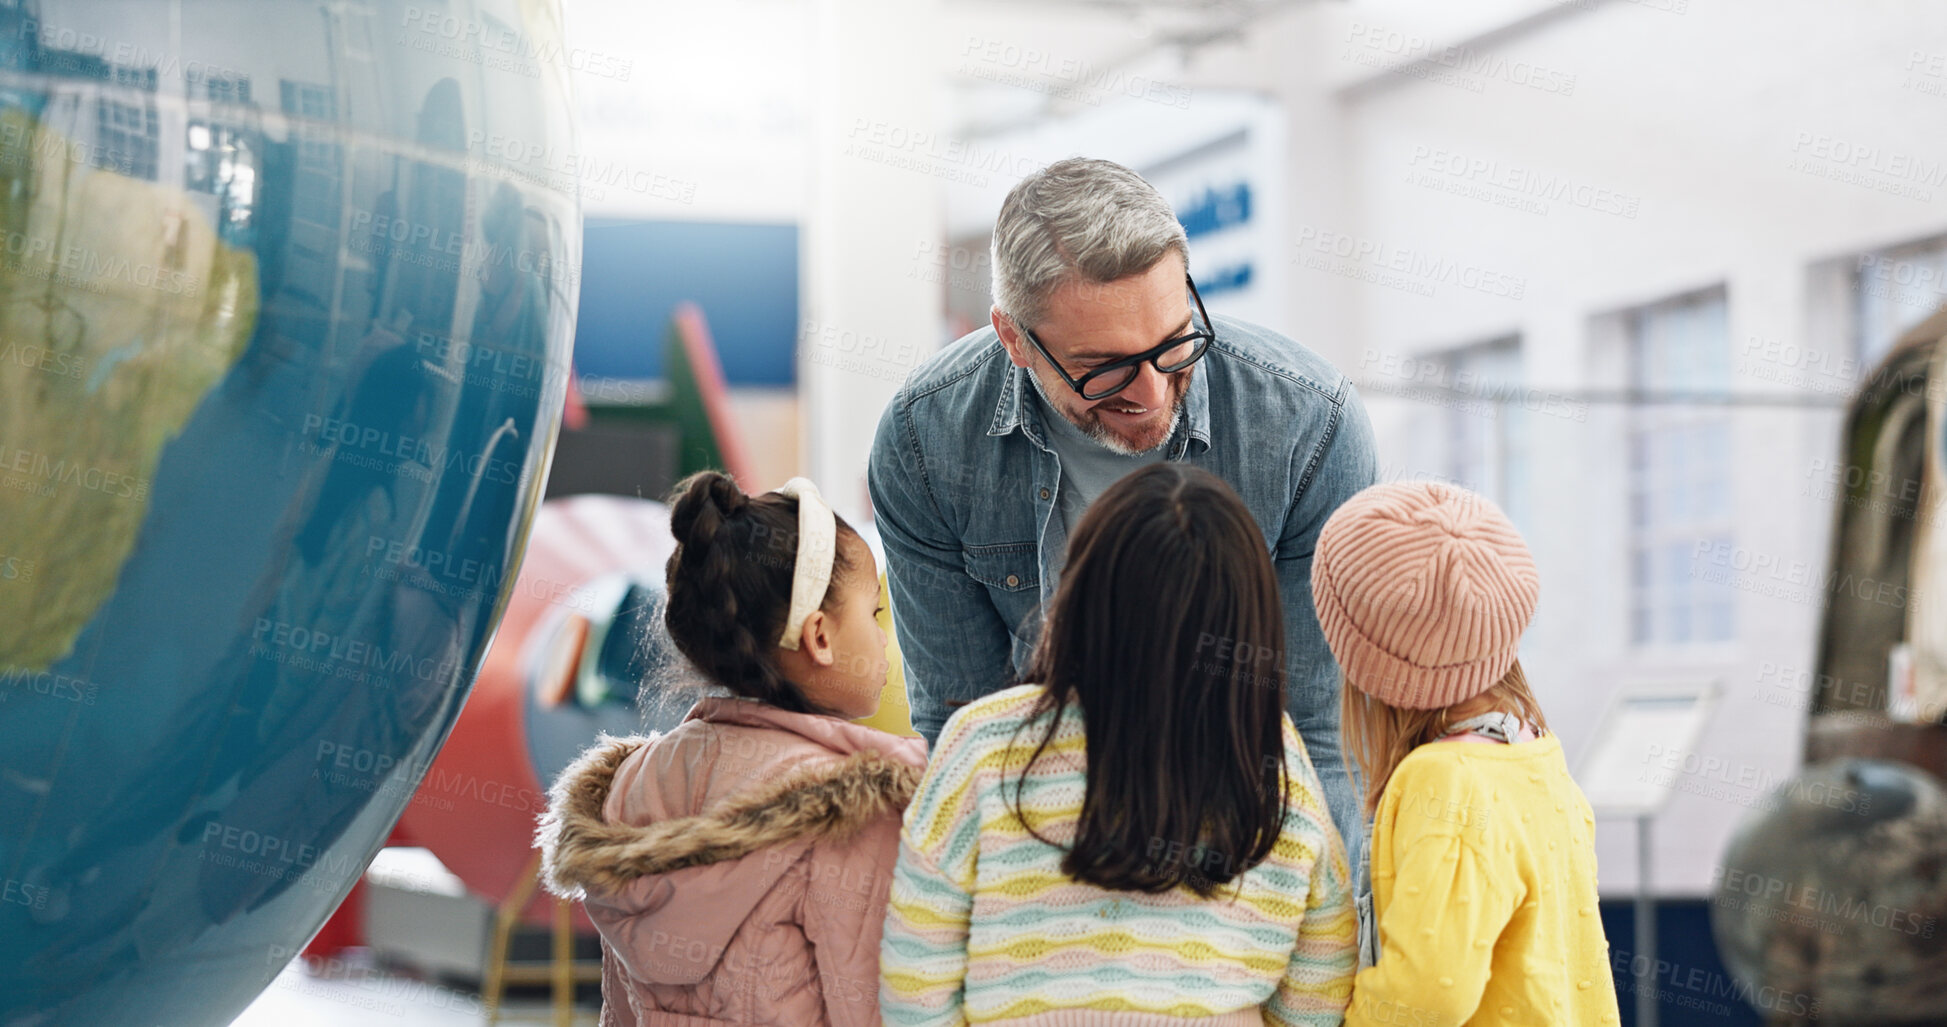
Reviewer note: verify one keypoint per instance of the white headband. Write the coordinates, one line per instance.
(817, 548)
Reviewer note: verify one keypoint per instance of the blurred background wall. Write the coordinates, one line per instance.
(1617, 264)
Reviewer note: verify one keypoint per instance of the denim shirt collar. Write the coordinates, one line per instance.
(1015, 410)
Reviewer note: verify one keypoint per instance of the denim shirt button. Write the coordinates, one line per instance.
(1044, 493)
(1013, 580)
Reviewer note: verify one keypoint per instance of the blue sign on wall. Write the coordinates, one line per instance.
(743, 276)
(1213, 210)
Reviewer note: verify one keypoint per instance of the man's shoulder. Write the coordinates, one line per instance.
(1267, 359)
(970, 358)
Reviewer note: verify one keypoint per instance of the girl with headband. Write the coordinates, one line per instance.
(738, 866)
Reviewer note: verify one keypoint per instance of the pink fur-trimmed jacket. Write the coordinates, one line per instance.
(738, 867)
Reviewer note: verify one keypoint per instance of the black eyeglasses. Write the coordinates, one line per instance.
(1169, 356)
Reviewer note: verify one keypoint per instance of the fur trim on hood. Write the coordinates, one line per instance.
(830, 799)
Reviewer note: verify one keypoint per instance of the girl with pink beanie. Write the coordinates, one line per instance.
(1482, 859)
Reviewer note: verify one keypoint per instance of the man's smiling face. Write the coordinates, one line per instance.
(1089, 324)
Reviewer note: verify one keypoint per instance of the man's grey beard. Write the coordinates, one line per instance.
(1114, 444)
(1100, 434)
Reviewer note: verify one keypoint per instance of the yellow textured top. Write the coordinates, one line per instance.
(1483, 878)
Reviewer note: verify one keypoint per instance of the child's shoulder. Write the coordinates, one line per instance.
(1446, 770)
(1298, 762)
(1016, 703)
(996, 714)
(1008, 704)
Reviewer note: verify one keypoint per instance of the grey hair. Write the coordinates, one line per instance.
(1077, 220)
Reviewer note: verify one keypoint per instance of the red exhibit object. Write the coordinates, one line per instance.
(691, 337)
(540, 695)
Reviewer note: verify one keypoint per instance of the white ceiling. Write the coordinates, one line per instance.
(1082, 50)
(716, 94)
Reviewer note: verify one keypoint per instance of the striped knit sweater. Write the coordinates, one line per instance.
(984, 928)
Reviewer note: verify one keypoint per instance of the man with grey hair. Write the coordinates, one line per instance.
(1101, 359)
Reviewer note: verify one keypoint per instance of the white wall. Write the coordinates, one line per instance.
(1696, 140)
(1185, 141)
(712, 100)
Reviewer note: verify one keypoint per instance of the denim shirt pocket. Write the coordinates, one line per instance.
(1009, 567)
(1011, 571)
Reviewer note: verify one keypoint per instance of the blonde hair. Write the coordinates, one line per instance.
(1378, 736)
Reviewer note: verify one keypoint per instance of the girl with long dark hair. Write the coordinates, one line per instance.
(1137, 837)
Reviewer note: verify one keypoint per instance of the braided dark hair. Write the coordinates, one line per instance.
(729, 584)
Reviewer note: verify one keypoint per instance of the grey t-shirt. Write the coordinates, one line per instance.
(1088, 467)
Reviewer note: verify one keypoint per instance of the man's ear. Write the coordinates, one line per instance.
(1011, 339)
(815, 639)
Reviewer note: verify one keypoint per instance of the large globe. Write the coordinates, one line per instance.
(287, 291)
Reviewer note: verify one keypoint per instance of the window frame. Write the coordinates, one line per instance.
(1649, 533)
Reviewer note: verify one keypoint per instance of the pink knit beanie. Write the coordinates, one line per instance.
(1423, 590)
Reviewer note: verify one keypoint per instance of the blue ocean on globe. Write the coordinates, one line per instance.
(287, 295)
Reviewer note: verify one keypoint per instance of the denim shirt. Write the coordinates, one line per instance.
(964, 488)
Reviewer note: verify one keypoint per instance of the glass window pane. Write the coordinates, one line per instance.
(1679, 465)
(1884, 308)
(1717, 620)
(1479, 426)
(1677, 621)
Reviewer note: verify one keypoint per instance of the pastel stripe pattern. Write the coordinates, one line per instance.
(984, 928)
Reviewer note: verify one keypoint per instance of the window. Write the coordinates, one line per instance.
(129, 134)
(318, 177)
(1469, 425)
(1487, 429)
(143, 79)
(315, 259)
(308, 100)
(1679, 471)
(1893, 290)
(223, 88)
